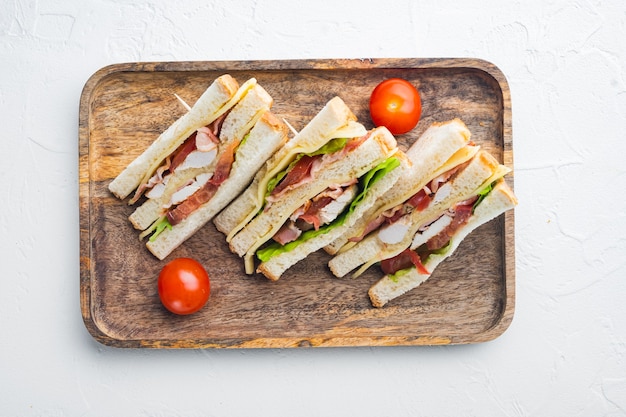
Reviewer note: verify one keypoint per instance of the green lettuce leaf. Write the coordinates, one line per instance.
(482, 194)
(395, 277)
(365, 184)
(159, 227)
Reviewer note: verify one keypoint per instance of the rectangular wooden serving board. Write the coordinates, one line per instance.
(469, 298)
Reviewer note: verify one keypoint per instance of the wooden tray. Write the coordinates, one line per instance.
(469, 298)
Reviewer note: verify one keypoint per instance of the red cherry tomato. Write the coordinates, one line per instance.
(395, 103)
(184, 286)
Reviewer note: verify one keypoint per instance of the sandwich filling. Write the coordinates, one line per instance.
(332, 214)
(435, 237)
(197, 151)
(195, 193)
(393, 223)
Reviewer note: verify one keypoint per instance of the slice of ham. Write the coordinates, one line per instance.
(300, 211)
(224, 163)
(403, 260)
(287, 233)
(206, 140)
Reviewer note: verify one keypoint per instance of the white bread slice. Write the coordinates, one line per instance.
(235, 126)
(278, 264)
(211, 104)
(245, 114)
(378, 147)
(267, 135)
(499, 200)
(335, 120)
(441, 147)
(461, 187)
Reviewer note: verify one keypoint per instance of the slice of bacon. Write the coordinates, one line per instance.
(287, 233)
(178, 157)
(222, 170)
(224, 163)
(355, 143)
(308, 166)
(312, 214)
(300, 173)
(403, 260)
(184, 209)
(216, 125)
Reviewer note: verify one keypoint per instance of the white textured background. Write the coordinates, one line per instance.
(564, 354)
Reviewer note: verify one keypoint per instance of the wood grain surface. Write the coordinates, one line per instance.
(469, 298)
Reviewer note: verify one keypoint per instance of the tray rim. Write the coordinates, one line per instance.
(86, 301)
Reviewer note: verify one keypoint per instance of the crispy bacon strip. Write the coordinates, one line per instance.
(355, 143)
(300, 173)
(204, 194)
(462, 213)
(420, 200)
